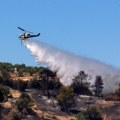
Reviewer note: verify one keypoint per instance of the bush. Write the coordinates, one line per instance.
(24, 102)
(80, 116)
(92, 113)
(66, 98)
(16, 116)
(1, 108)
(4, 91)
(36, 84)
(21, 85)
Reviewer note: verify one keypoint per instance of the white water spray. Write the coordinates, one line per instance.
(68, 65)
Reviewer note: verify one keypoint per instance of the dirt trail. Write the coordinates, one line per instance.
(52, 115)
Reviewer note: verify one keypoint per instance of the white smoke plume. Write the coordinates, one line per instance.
(68, 65)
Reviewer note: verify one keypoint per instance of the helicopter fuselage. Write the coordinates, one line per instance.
(24, 36)
(27, 35)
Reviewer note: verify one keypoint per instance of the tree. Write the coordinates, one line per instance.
(118, 91)
(6, 66)
(21, 85)
(54, 85)
(98, 86)
(66, 98)
(80, 84)
(45, 85)
(4, 91)
(34, 83)
(20, 73)
(5, 75)
(48, 72)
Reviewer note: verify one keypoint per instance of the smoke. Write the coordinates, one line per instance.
(68, 65)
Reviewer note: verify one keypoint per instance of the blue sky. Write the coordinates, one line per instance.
(89, 28)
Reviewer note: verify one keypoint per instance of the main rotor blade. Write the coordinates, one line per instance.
(21, 29)
(24, 30)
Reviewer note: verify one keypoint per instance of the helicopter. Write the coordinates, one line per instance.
(26, 34)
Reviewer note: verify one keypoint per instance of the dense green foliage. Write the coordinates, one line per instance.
(28, 69)
(21, 68)
(6, 66)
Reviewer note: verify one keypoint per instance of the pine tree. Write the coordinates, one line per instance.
(80, 83)
(98, 86)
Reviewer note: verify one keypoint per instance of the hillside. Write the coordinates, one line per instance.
(35, 93)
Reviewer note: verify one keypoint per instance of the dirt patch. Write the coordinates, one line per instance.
(6, 105)
(53, 115)
(15, 93)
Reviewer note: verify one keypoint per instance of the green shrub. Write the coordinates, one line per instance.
(4, 91)
(93, 113)
(66, 98)
(80, 116)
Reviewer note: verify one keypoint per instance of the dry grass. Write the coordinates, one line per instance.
(53, 115)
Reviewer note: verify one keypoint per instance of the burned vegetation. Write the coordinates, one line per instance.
(35, 93)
